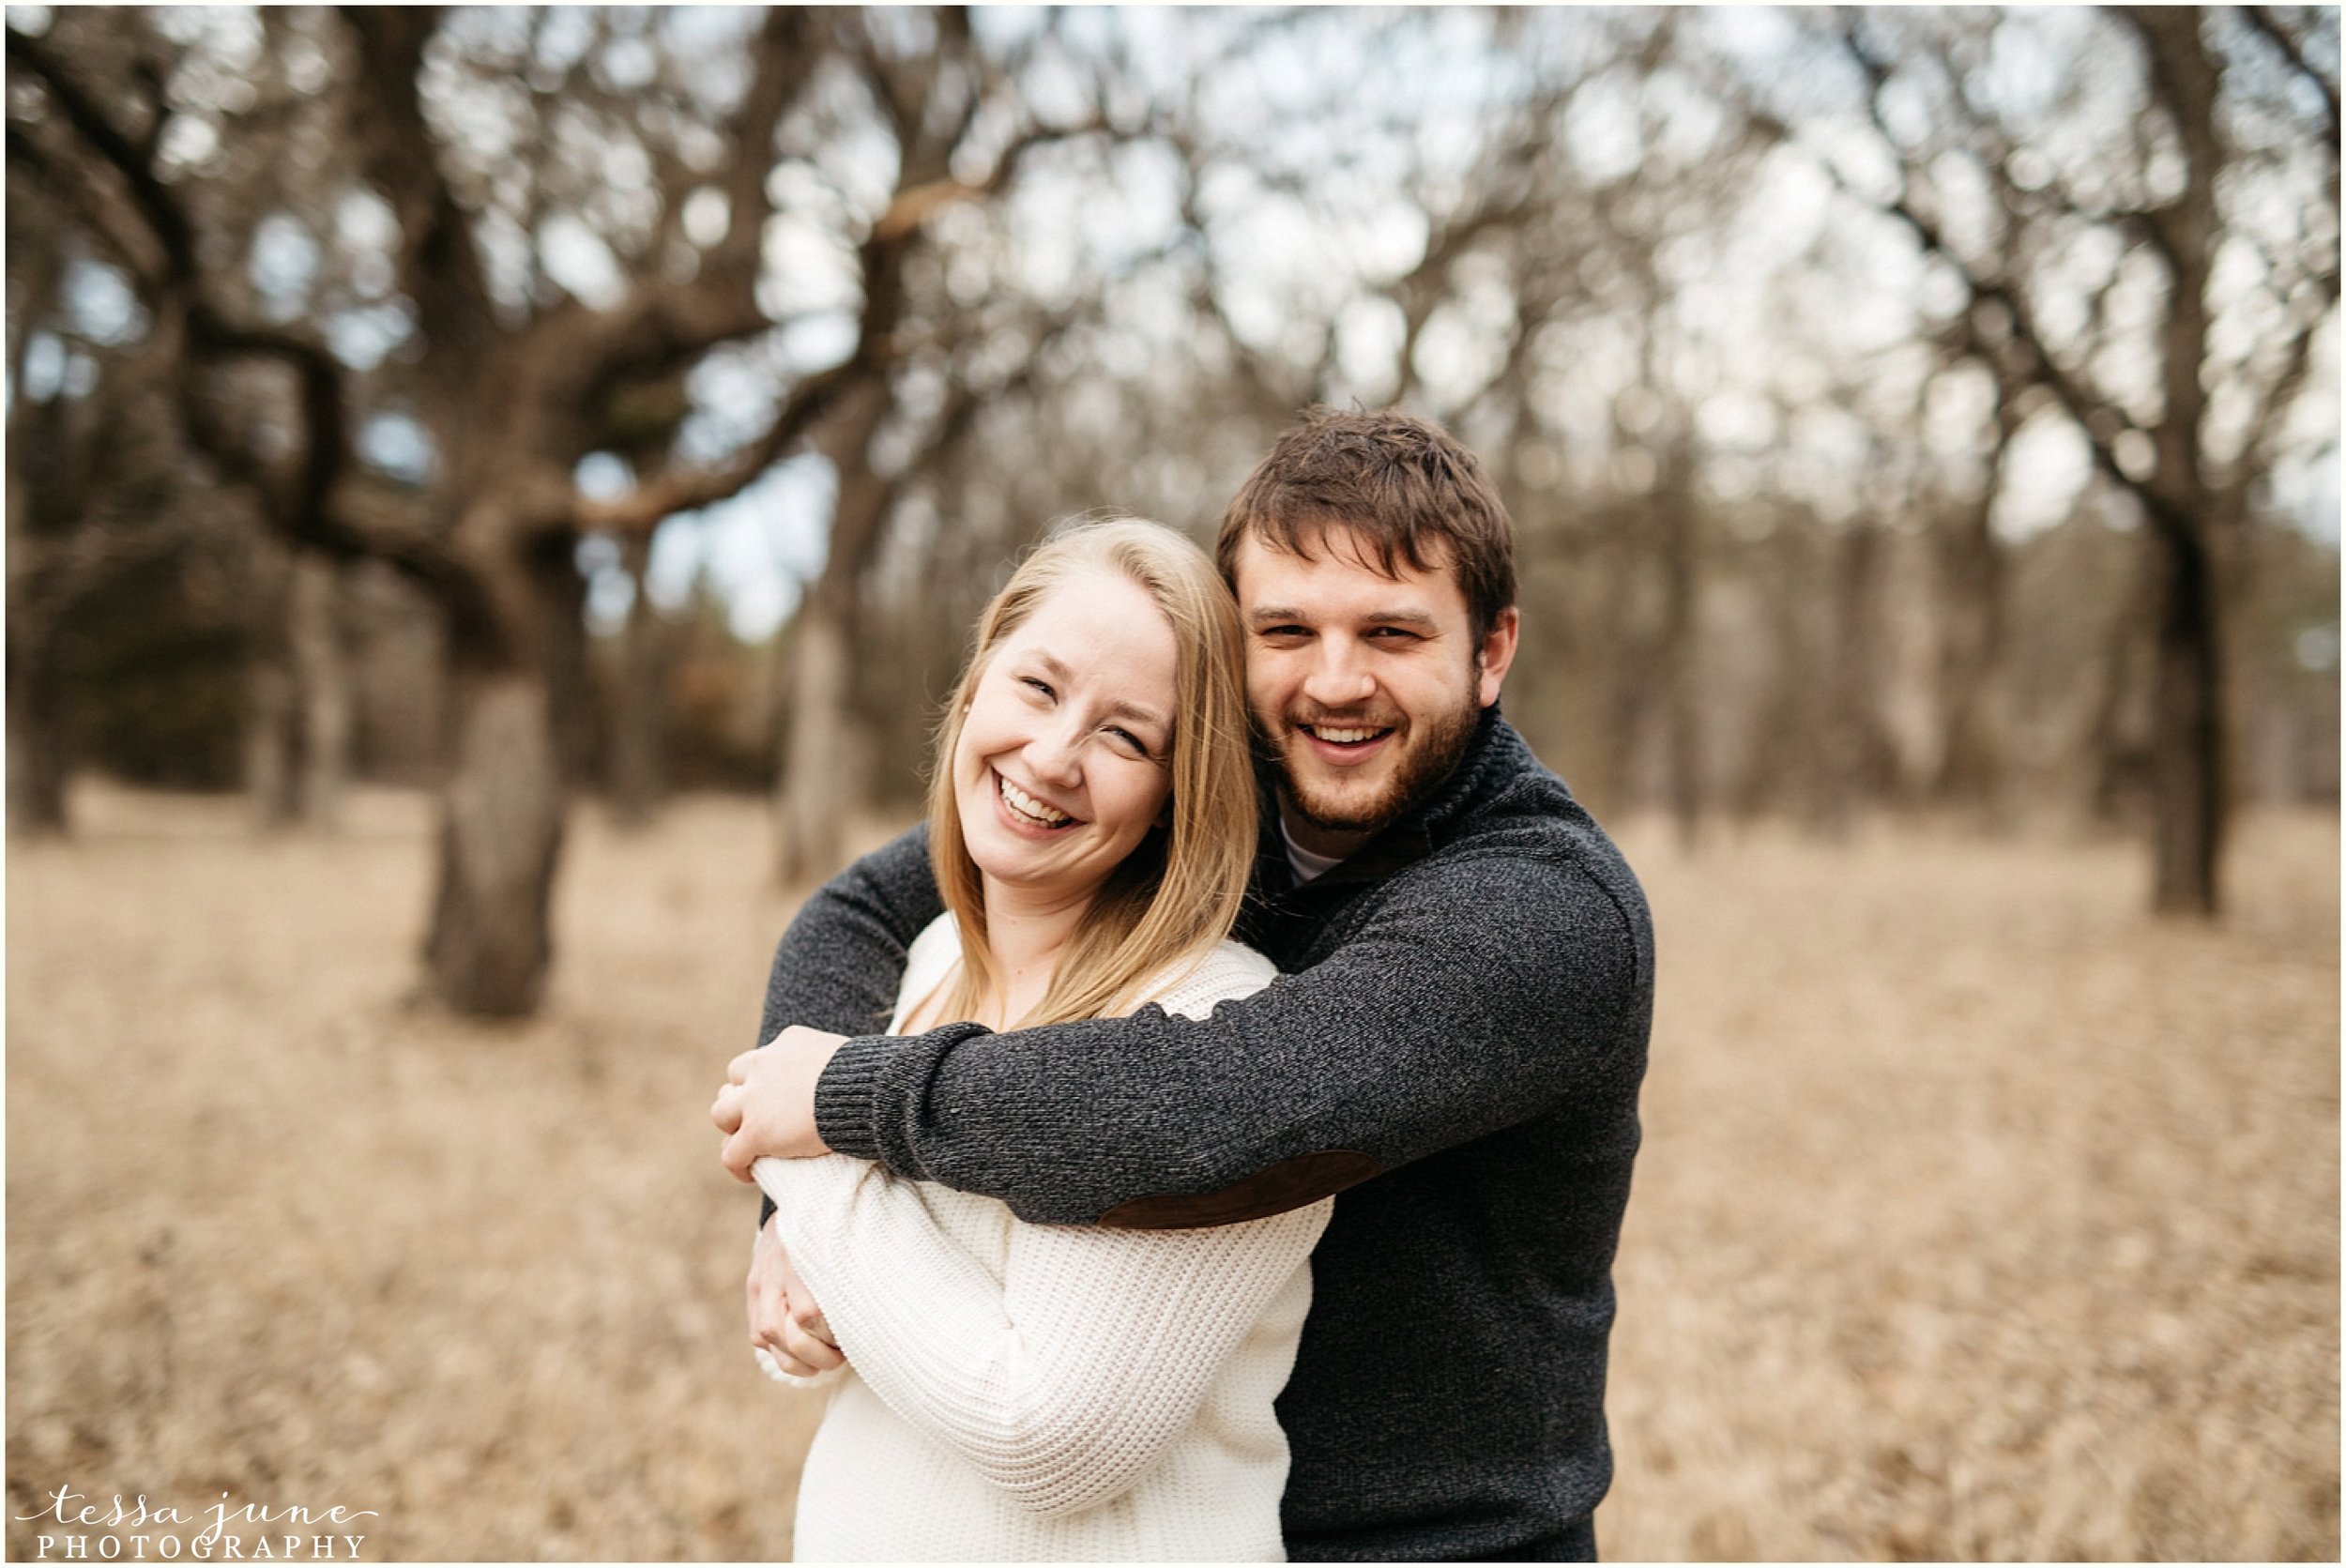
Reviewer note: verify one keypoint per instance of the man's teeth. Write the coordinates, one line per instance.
(1028, 806)
(1343, 737)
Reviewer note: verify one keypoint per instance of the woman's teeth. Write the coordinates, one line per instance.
(1033, 809)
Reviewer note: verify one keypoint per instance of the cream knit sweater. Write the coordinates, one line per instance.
(1039, 1392)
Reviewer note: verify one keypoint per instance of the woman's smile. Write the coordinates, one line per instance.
(1026, 809)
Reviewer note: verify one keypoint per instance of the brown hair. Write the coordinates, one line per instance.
(1404, 488)
(1178, 893)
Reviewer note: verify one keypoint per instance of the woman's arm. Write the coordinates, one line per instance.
(1066, 1378)
(1063, 1382)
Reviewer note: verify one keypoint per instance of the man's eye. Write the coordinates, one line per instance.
(1393, 634)
(1281, 631)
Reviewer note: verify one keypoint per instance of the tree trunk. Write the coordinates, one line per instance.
(2118, 750)
(1630, 676)
(270, 773)
(827, 752)
(500, 830)
(36, 737)
(1971, 562)
(1680, 695)
(2187, 729)
(322, 680)
(272, 738)
(823, 775)
(637, 774)
(1853, 741)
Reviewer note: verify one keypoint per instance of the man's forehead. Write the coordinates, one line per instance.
(1338, 559)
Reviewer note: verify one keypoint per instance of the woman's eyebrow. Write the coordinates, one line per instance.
(1121, 707)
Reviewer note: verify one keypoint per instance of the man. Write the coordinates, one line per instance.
(1455, 1043)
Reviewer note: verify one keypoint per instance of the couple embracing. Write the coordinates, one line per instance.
(1203, 1141)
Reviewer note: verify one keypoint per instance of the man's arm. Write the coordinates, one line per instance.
(838, 964)
(1483, 991)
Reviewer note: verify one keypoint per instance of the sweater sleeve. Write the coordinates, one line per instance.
(1064, 1380)
(1478, 991)
(838, 963)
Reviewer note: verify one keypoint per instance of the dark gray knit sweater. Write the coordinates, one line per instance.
(1463, 1016)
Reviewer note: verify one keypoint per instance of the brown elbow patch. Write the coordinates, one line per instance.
(1273, 1190)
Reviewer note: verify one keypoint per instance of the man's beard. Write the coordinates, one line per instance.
(1433, 755)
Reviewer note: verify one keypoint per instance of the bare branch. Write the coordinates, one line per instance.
(2100, 422)
(2283, 390)
(687, 490)
(664, 325)
(156, 205)
(98, 210)
(2293, 51)
(439, 265)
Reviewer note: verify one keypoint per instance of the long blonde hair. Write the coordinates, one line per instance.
(1178, 892)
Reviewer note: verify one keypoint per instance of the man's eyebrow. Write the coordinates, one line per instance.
(1279, 615)
(1120, 708)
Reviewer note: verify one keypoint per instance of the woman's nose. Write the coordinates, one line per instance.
(1057, 757)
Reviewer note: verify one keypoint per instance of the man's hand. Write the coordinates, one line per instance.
(768, 1103)
(785, 1320)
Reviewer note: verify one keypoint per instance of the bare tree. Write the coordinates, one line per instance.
(514, 376)
(2154, 442)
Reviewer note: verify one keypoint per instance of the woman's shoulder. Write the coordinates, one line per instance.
(1224, 972)
(941, 936)
(933, 953)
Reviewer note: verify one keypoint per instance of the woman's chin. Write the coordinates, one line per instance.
(1028, 870)
(1031, 872)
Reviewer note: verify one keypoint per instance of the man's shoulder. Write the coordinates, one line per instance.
(1533, 840)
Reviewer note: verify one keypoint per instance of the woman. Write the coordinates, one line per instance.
(1028, 1391)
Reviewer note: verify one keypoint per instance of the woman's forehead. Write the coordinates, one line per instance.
(1098, 612)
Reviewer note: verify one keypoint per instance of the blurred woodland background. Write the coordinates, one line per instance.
(482, 477)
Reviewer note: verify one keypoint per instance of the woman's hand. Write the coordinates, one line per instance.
(785, 1320)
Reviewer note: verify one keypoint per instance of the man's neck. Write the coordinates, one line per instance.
(1328, 841)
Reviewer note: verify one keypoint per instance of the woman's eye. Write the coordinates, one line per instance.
(1039, 687)
(1130, 741)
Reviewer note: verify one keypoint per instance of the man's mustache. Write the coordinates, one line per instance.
(1338, 719)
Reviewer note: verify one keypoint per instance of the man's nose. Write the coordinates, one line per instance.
(1339, 675)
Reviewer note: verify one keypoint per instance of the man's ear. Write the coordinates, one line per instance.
(1496, 654)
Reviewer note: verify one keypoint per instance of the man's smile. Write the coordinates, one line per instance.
(1346, 745)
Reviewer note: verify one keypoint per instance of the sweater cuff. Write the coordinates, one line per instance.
(847, 1096)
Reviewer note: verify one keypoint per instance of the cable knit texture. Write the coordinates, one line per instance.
(1032, 1393)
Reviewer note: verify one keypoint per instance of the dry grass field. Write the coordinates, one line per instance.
(1979, 1216)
